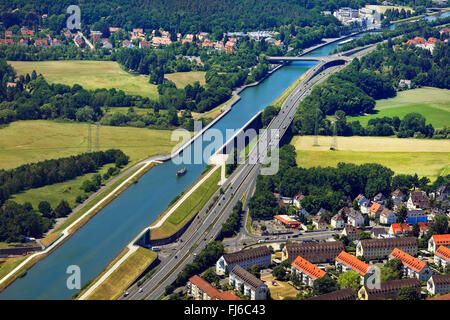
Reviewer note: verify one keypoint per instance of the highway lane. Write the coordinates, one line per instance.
(208, 226)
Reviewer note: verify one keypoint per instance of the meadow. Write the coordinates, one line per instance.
(429, 158)
(432, 103)
(182, 79)
(123, 276)
(102, 74)
(28, 141)
(90, 75)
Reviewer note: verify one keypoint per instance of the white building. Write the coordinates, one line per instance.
(260, 256)
(438, 284)
(246, 283)
(306, 272)
(355, 219)
(438, 240)
(412, 267)
(387, 216)
(337, 222)
(442, 257)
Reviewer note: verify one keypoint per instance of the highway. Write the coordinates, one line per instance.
(207, 225)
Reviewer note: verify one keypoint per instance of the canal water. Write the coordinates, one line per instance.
(97, 243)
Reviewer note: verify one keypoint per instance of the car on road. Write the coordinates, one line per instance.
(126, 294)
(140, 290)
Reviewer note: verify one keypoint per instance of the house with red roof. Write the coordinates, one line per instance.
(399, 229)
(6, 42)
(412, 267)
(438, 240)
(375, 210)
(442, 257)
(306, 272)
(200, 289)
(42, 43)
(346, 262)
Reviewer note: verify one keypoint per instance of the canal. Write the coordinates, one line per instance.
(97, 243)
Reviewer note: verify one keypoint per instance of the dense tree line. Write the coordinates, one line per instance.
(53, 171)
(181, 16)
(232, 225)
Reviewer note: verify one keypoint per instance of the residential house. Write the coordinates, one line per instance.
(6, 42)
(417, 200)
(346, 262)
(363, 203)
(380, 198)
(404, 83)
(260, 256)
(202, 36)
(41, 43)
(351, 232)
(144, 44)
(337, 222)
(399, 229)
(375, 210)
(96, 36)
(200, 289)
(127, 44)
(219, 46)
(297, 200)
(387, 216)
(416, 215)
(27, 33)
(423, 228)
(442, 257)
(246, 283)
(381, 248)
(438, 284)
(388, 290)
(56, 43)
(23, 43)
(306, 272)
(412, 267)
(113, 29)
(161, 41)
(207, 44)
(319, 222)
(438, 240)
(339, 295)
(314, 252)
(398, 196)
(106, 44)
(188, 38)
(355, 219)
(378, 232)
(8, 34)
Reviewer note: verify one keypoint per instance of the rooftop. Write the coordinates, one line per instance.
(245, 255)
(408, 260)
(247, 277)
(307, 267)
(353, 262)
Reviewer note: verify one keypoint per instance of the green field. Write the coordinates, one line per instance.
(182, 79)
(28, 141)
(90, 75)
(189, 207)
(432, 103)
(404, 156)
(124, 275)
(68, 190)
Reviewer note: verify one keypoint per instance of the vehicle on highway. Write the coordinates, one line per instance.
(140, 290)
(175, 256)
(126, 294)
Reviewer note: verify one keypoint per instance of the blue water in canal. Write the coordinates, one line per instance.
(98, 242)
